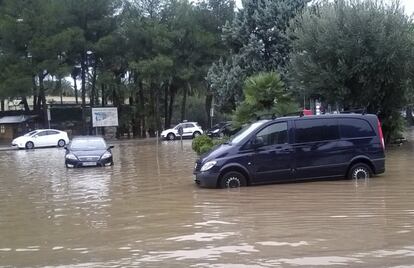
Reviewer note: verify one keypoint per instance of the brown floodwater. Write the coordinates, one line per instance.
(146, 211)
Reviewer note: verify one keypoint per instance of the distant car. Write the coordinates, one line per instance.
(190, 130)
(87, 151)
(42, 138)
(222, 129)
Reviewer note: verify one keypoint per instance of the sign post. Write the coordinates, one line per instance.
(180, 132)
(104, 117)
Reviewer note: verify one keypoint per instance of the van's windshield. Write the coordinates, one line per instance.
(244, 132)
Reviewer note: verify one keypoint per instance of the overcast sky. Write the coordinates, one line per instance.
(408, 5)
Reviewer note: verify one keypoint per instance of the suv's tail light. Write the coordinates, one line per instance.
(381, 135)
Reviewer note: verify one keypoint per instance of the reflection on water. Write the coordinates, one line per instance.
(146, 211)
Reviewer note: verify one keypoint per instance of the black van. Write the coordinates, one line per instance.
(296, 148)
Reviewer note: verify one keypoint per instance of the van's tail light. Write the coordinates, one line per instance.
(381, 135)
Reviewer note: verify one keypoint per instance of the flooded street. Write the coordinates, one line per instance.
(146, 211)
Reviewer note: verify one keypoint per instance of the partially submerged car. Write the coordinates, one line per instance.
(88, 151)
(296, 148)
(189, 130)
(222, 129)
(41, 138)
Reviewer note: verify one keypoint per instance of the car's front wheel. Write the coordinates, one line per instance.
(171, 136)
(61, 143)
(233, 179)
(196, 134)
(359, 171)
(29, 145)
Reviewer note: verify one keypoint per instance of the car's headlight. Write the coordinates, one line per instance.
(208, 165)
(106, 155)
(71, 157)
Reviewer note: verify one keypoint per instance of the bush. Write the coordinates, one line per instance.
(202, 144)
(205, 148)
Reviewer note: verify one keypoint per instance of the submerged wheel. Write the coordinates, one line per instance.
(196, 134)
(171, 136)
(29, 145)
(233, 179)
(61, 143)
(359, 171)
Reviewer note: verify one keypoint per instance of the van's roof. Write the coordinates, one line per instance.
(350, 115)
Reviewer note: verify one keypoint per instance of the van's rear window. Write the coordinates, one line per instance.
(355, 128)
(310, 130)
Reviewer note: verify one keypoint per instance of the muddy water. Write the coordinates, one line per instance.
(146, 212)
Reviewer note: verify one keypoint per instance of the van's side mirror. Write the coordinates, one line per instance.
(111, 147)
(257, 142)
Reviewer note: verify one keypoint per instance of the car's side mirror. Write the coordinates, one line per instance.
(257, 142)
(111, 147)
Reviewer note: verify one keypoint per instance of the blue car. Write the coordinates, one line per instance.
(296, 148)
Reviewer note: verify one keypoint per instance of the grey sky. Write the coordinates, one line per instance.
(408, 5)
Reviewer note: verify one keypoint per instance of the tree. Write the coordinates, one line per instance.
(355, 54)
(257, 42)
(265, 93)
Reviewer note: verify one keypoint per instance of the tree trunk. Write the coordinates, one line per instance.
(83, 92)
(184, 103)
(173, 92)
(409, 114)
(75, 87)
(59, 86)
(157, 109)
(152, 115)
(43, 100)
(35, 94)
(142, 110)
(25, 104)
(166, 90)
(209, 101)
(103, 95)
(93, 90)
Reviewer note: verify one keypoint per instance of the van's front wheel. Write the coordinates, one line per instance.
(359, 171)
(232, 179)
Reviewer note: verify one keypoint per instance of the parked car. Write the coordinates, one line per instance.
(189, 130)
(87, 151)
(41, 138)
(222, 129)
(296, 148)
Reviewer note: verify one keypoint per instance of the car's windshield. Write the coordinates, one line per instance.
(88, 144)
(246, 131)
(31, 133)
(177, 126)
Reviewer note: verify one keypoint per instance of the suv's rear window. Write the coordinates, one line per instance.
(316, 130)
(355, 128)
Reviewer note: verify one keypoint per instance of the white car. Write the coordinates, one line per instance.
(190, 129)
(42, 138)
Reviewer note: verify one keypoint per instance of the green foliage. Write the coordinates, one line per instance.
(202, 144)
(257, 43)
(354, 54)
(264, 94)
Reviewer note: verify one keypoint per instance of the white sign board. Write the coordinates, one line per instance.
(105, 117)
